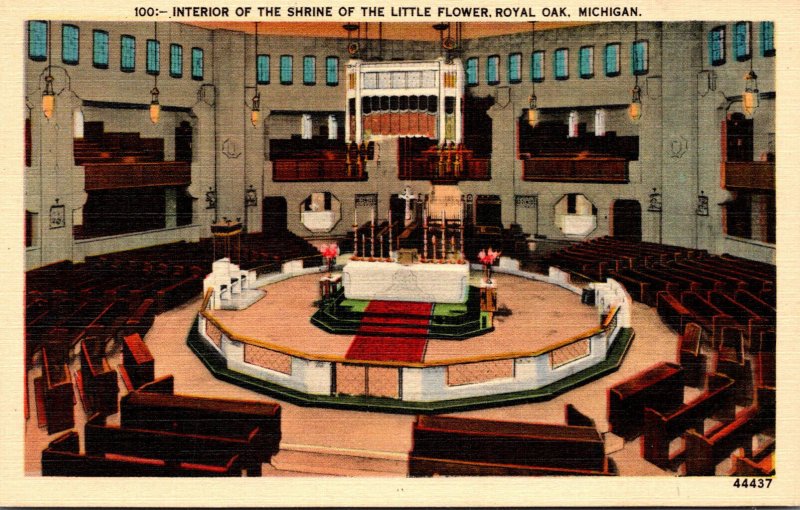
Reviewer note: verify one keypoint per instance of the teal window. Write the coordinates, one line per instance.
(332, 71)
(741, 41)
(309, 70)
(153, 57)
(611, 59)
(537, 66)
(492, 70)
(100, 49)
(127, 53)
(175, 60)
(70, 44)
(639, 58)
(197, 64)
(472, 71)
(286, 70)
(515, 68)
(262, 69)
(37, 40)
(561, 64)
(767, 39)
(586, 62)
(716, 46)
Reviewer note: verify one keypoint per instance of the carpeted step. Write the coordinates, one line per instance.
(377, 330)
(387, 348)
(398, 309)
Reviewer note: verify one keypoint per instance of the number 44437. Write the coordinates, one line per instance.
(753, 483)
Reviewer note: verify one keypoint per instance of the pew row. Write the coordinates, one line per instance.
(451, 446)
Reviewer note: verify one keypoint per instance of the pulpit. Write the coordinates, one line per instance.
(329, 286)
(227, 240)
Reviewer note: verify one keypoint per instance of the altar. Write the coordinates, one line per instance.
(391, 281)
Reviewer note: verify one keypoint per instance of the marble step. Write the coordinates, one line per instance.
(325, 460)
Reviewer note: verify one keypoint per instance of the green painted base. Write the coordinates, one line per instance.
(217, 365)
(456, 321)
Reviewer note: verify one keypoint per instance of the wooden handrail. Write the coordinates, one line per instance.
(444, 362)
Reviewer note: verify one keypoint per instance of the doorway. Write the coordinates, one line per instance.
(274, 216)
(183, 142)
(626, 220)
(527, 213)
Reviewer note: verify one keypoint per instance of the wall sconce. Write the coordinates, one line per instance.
(250, 197)
(750, 98)
(702, 204)
(211, 199)
(57, 216)
(655, 201)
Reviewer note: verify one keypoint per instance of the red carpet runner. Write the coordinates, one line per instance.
(392, 331)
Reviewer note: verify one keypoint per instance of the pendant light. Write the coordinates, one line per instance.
(750, 98)
(533, 113)
(635, 109)
(255, 111)
(155, 106)
(48, 96)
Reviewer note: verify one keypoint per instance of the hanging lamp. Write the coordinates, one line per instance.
(533, 112)
(48, 96)
(155, 106)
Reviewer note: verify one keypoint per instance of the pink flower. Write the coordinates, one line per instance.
(488, 257)
(329, 251)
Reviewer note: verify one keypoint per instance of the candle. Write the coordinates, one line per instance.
(373, 216)
(433, 241)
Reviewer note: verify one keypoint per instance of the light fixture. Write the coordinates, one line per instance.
(155, 106)
(255, 110)
(655, 201)
(250, 197)
(353, 47)
(750, 98)
(533, 113)
(702, 204)
(635, 109)
(48, 96)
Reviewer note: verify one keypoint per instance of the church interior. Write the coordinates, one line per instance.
(399, 249)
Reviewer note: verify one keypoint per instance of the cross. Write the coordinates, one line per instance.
(408, 197)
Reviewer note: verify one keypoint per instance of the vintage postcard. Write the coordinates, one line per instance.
(418, 254)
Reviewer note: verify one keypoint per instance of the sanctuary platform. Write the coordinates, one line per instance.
(547, 342)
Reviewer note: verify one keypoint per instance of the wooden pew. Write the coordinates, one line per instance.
(751, 323)
(659, 387)
(754, 303)
(760, 463)
(674, 313)
(711, 318)
(58, 396)
(706, 281)
(138, 365)
(661, 429)
(704, 451)
(690, 358)
(172, 447)
(62, 457)
(730, 360)
(453, 446)
(178, 293)
(638, 290)
(155, 406)
(98, 380)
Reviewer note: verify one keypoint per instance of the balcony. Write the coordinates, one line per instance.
(748, 175)
(107, 176)
(316, 170)
(582, 168)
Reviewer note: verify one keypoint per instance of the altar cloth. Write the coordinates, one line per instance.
(390, 281)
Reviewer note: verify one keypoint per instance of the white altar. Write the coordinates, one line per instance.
(390, 281)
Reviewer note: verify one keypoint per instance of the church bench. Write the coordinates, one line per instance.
(690, 358)
(752, 324)
(659, 387)
(740, 267)
(638, 290)
(140, 319)
(704, 451)
(660, 429)
(711, 318)
(672, 311)
(729, 359)
(172, 447)
(757, 305)
(764, 368)
(57, 394)
(178, 293)
(638, 257)
(62, 457)
(656, 284)
(138, 364)
(759, 463)
(724, 282)
(762, 267)
(155, 406)
(706, 281)
(98, 379)
(740, 277)
(580, 265)
(682, 282)
(452, 446)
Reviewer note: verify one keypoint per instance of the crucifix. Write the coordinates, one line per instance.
(408, 197)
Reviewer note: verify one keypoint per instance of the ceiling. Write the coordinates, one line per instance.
(404, 31)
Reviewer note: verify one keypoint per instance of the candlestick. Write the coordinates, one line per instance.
(390, 232)
(433, 239)
(444, 242)
(363, 244)
(425, 235)
(381, 237)
(355, 240)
